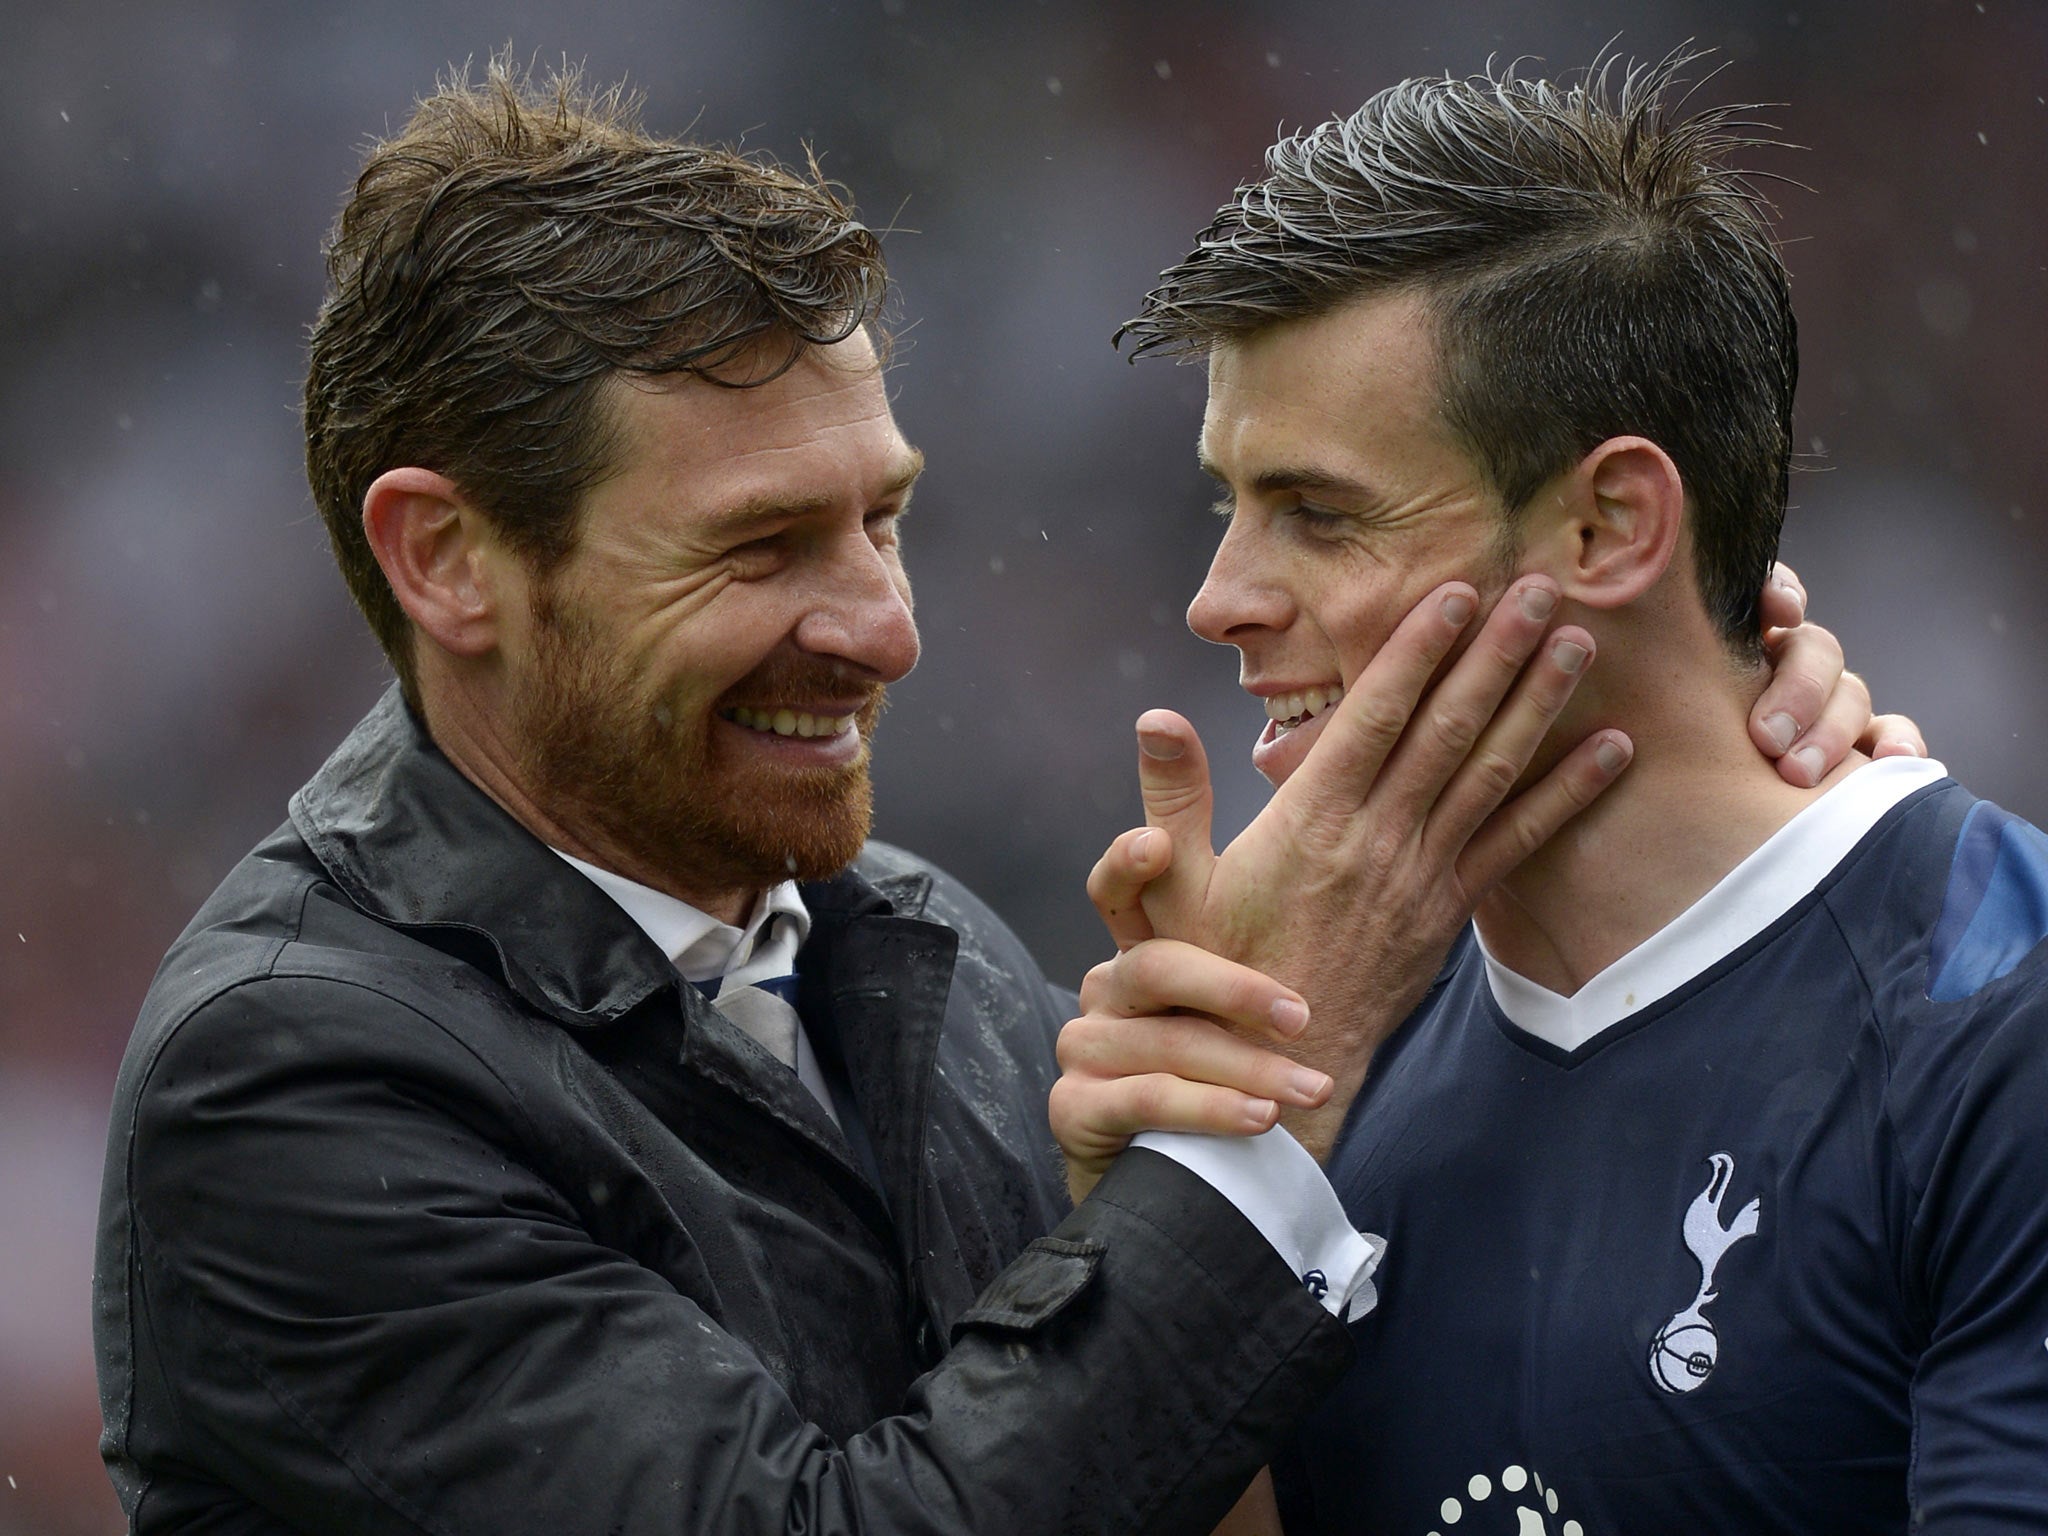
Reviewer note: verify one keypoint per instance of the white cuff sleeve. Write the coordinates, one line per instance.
(1280, 1190)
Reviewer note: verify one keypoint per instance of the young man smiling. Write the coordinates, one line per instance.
(1712, 1166)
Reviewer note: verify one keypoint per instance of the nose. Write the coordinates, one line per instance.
(861, 612)
(1236, 597)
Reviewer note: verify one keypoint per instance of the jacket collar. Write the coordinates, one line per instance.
(415, 844)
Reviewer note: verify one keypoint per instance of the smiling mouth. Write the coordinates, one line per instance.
(788, 722)
(1289, 711)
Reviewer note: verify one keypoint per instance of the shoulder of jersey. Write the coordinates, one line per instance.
(1948, 913)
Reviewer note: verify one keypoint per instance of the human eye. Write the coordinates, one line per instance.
(761, 555)
(1317, 519)
(885, 526)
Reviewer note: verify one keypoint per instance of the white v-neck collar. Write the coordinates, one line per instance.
(1749, 898)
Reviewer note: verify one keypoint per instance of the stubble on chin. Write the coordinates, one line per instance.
(652, 780)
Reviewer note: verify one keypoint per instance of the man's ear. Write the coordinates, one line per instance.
(1624, 515)
(431, 544)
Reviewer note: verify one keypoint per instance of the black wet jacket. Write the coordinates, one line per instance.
(434, 1202)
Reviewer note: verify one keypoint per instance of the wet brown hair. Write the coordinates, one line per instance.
(518, 243)
(1593, 265)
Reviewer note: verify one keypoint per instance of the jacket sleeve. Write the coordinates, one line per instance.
(1978, 1272)
(374, 1317)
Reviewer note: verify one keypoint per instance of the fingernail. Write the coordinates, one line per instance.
(1610, 756)
(1308, 1083)
(1290, 1017)
(1457, 608)
(1259, 1114)
(1781, 729)
(1809, 758)
(1160, 746)
(1145, 846)
(1569, 655)
(1537, 602)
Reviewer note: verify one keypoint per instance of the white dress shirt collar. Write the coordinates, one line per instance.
(701, 946)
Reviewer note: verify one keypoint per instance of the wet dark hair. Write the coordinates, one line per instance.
(1593, 265)
(516, 245)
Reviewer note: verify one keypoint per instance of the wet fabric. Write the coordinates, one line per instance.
(437, 1201)
(1769, 1255)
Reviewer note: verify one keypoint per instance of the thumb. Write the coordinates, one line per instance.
(1117, 883)
(1173, 777)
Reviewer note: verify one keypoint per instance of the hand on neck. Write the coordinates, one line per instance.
(1696, 801)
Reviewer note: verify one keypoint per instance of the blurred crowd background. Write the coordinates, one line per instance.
(176, 655)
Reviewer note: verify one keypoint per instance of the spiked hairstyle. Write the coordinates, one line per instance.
(1593, 265)
(514, 246)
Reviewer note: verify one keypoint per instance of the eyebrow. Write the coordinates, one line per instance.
(742, 515)
(1293, 477)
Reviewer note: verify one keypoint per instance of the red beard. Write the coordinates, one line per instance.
(653, 782)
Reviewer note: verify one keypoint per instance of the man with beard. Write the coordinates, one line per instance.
(564, 1121)
(1712, 1166)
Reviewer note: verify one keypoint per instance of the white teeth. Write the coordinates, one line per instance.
(790, 722)
(1292, 709)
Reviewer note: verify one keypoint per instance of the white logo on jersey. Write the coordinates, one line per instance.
(1523, 1490)
(1683, 1354)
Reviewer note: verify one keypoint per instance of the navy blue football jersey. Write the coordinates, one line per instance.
(1759, 1245)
